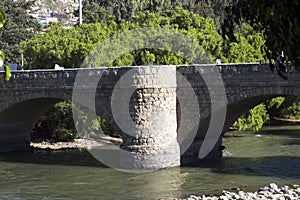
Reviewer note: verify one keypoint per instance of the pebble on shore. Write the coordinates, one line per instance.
(272, 191)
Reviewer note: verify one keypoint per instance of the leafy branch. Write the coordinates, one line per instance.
(2, 56)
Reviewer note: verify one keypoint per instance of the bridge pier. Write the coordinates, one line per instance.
(150, 135)
(191, 155)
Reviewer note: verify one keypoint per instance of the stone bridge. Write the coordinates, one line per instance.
(166, 115)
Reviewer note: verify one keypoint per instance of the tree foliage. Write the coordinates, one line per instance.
(58, 124)
(125, 10)
(18, 27)
(290, 108)
(278, 20)
(253, 120)
(282, 107)
(95, 11)
(69, 47)
(246, 48)
(274, 106)
(64, 46)
(201, 30)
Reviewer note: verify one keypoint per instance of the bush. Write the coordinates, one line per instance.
(290, 108)
(253, 120)
(57, 125)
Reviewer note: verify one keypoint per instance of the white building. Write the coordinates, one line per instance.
(58, 11)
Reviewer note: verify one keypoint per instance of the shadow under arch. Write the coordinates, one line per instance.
(241, 103)
(18, 119)
(237, 109)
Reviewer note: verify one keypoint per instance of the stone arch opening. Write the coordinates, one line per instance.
(67, 121)
(242, 107)
(238, 104)
(238, 108)
(19, 120)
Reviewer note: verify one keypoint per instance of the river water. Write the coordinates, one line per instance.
(250, 161)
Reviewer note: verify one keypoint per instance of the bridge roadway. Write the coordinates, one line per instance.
(167, 115)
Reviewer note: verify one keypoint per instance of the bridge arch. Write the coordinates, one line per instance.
(18, 119)
(246, 86)
(37, 96)
(241, 103)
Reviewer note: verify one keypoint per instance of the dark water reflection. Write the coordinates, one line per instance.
(59, 157)
(250, 161)
(275, 166)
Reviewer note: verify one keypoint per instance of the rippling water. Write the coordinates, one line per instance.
(250, 161)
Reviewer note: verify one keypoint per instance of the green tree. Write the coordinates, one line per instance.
(201, 30)
(273, 106)
(121, 10)
(279, 22)
(65, 46)
(253, 120)
(290, 108)
(94, 12)
(18, 27)
(125, 10)
(2, 18)
(58, 124)
(246, 48)
(69, 47)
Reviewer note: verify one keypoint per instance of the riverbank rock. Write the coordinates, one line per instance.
(76, 144)
(272, 191)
